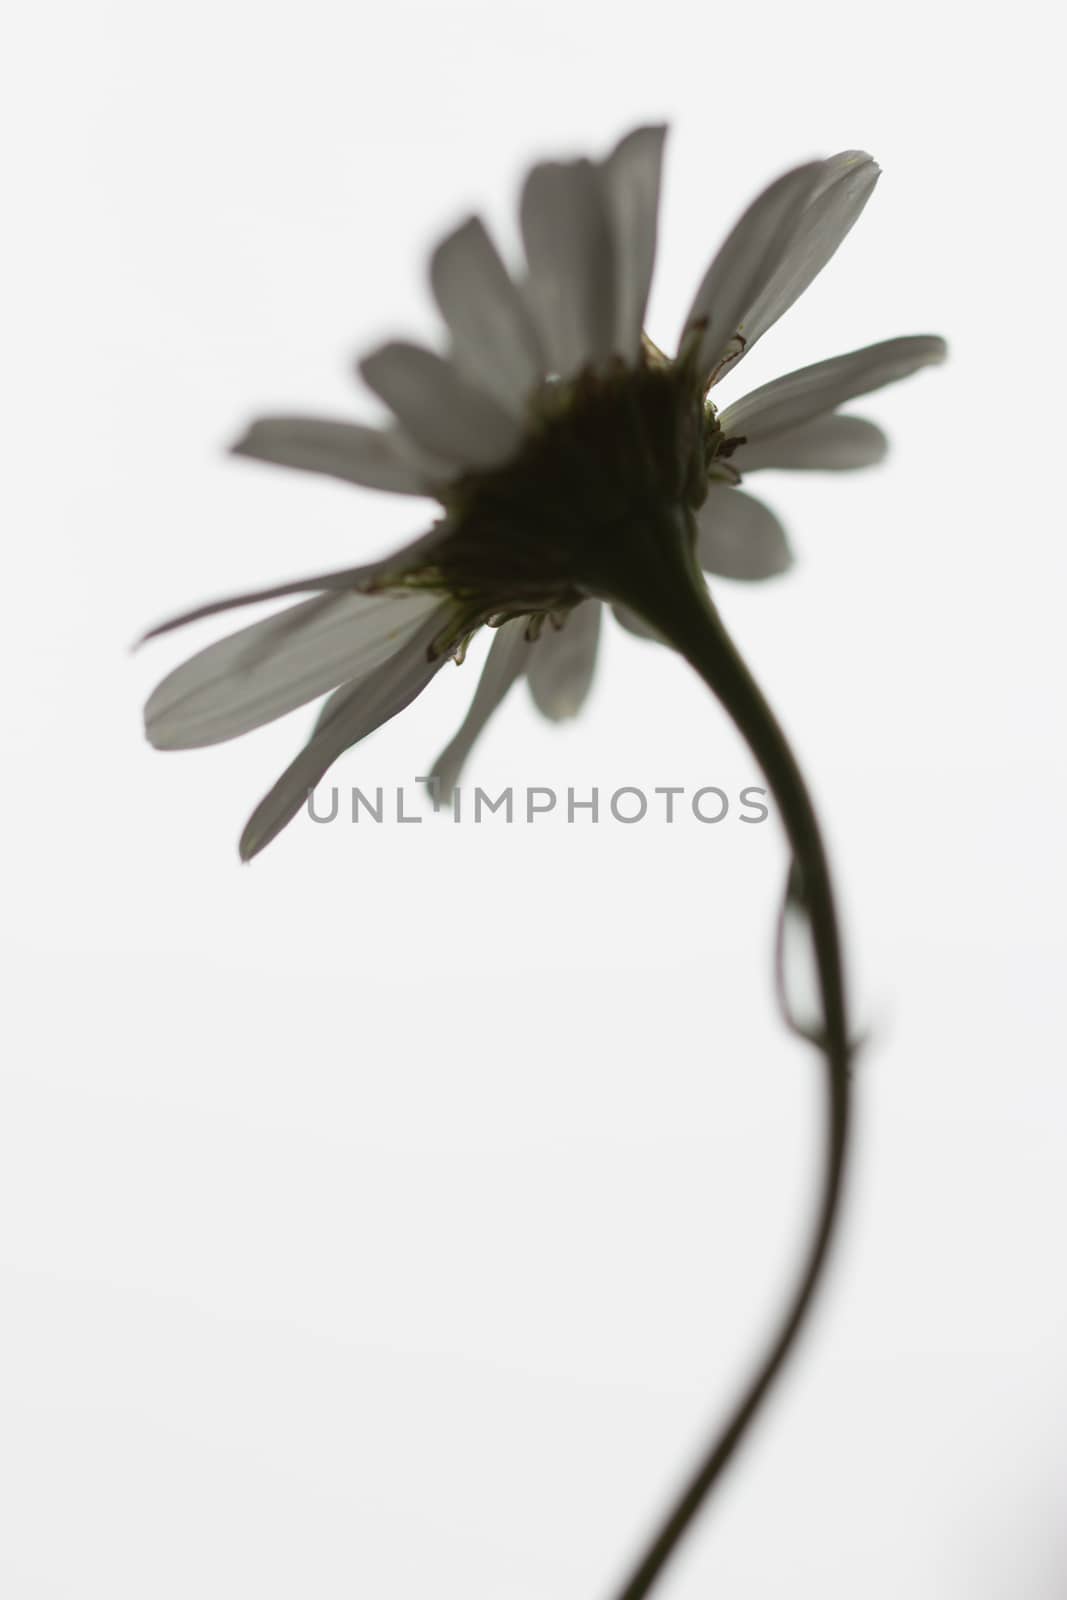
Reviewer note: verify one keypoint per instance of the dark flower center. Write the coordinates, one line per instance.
(608, 458)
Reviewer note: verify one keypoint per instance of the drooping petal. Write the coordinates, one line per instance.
(260, 672)
(842, 190)
(373, 575)
(438, 408)
(506, 661)
(561, 663)
(373, 457)
(796, 398)
(567, 235)
(796, 967)
(633, 623)
(356, 710)
(747, 261)
(494, 341)
(631, 178)
(739, 537)
(834, 442)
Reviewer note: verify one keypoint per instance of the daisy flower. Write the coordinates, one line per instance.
(574, 464)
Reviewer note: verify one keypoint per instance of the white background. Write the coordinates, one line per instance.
(395, 1216)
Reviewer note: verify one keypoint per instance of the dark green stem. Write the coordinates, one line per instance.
(675, 601)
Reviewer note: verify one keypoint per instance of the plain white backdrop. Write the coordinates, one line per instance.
(394, 1217)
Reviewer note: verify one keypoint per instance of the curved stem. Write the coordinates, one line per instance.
(685, 616)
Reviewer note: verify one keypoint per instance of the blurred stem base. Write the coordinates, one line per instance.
(670, 593)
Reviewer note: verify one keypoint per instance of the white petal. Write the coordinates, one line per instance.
(494, 341)
(829, 443)
(799, 396)
(348, 450)
(631, 177)
(843, 189)
(560, 668)
(745, 264)
(633, 623)
(356, 710)
(439, 409)
(739, 537)
(505, 662)
(570, 252)
(261, 672)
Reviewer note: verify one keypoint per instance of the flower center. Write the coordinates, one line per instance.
(606, 459)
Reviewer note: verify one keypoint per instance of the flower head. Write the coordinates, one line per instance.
(570, 457)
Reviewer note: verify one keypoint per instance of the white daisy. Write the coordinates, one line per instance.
(573, 461)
